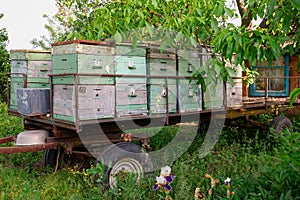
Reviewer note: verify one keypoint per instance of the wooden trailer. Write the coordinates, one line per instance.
(82, 97)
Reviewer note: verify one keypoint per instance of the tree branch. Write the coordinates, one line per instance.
(246, 20)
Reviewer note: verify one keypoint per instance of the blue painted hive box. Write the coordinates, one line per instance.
(33, 101)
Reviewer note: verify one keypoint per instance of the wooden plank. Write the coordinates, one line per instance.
(132, 109)
(130, 59)
(125, 98)
(130, 50)
(188, 54)
(131, 68)
(80, 48)
(92, 80)
(30, 55)
(168, 56)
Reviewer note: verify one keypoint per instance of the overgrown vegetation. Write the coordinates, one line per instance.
(260, 164)
(4, 61)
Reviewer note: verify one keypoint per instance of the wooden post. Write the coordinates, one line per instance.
(266, 91)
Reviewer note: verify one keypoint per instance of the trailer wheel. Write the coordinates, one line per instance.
(72, 161)
(50, 157)
(124, 159)
(281, 123)
(64, 160)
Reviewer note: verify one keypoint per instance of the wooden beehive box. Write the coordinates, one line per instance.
(33, 101)
(189, 94)
(157, 98)
(214, 99)
(161, 62)
(235, 93)
(95, 92)
(94, 102)
(131, 99)
(131, 94)
(35, 65)
(190, 98)
(83, 57)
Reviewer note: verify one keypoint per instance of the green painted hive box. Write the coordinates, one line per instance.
(190, 98)
(83, 57)
(161, 62)
(130, 60)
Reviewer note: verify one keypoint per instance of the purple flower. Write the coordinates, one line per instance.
(167, 187)
(155, 187)
(227, 181)
(170, 178)
(164, 180)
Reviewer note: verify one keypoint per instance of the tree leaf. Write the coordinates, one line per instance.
(296, 4)
(231, 71)
(271, 7)
(230, 81)
(293, 95)
(214, 25)
(154, 3)
(275, 48)
(118, 37)
(178, 36)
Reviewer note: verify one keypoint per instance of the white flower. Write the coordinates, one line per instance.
(165, 170)
(227, 181)
(160, 179)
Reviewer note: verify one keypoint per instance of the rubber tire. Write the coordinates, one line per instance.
(281, 122)
(50, 157)
(123, 151)
(50, 160)
(68, 161)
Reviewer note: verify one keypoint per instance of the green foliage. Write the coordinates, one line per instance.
(261, 166)
(293, 95)
(4, 62)
(191, 23)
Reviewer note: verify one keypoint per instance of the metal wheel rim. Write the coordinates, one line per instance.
(126, 165)
(71, 162)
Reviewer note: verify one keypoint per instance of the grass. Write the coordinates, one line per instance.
(261, 166)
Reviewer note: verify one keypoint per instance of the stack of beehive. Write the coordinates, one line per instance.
(84, 85)
(93, 96)
(131, 95)
(161, 62)
(190, 94)
(34, 65)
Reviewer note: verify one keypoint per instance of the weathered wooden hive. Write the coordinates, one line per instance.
(212, 99)
(29, 69)
(189, 93)
(131, 95)
(161, 62)
(79, 91)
